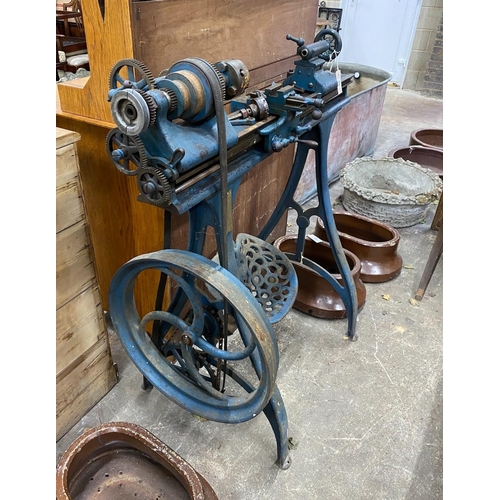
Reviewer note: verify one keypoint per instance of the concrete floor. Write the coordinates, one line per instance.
(366, 416)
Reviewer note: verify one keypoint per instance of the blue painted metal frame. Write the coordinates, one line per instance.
(321, 134)
(298, 119)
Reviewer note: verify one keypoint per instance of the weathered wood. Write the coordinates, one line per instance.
(74, 269)
(84, 368)
(83, 384)
(64, 138)
(69, 206)
(79, 325)
(166, 31)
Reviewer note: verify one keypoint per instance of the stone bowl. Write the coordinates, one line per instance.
(427, 137)
(392, 190)
(431, 158)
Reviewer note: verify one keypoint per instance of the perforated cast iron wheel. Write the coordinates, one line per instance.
(183, 367)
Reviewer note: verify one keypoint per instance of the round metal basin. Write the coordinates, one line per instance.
(428, 137)
(373, 242)
(431, 158)
(315, 295)
(124, 460)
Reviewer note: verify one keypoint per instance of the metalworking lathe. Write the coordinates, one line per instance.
(212, 349)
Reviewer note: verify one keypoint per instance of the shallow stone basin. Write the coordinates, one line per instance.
(395, 191)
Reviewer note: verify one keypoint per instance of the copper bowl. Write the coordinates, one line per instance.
(427, 137)
(315, 295)
(123, 460)
(373, 242)
(431, 158)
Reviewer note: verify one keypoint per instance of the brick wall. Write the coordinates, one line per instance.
(433, 80)
(425, 66)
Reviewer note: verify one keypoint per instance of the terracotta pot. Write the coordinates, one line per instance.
(431, 158)
(373, 242)
(315, 295)
(428, 137)
(123, 460)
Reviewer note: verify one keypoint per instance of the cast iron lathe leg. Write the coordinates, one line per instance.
(320, 134)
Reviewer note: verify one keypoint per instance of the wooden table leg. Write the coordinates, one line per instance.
(436, 251)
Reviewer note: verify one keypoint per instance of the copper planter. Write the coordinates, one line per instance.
(123, 460)
(431, 158)
(373, 242)
(428, 137)
(316, 296)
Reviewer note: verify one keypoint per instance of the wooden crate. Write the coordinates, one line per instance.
(84, 367)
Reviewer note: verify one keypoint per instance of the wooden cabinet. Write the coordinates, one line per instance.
(159, 33)
(84, 367)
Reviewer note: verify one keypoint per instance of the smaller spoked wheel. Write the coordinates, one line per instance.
(127, 153)
(335, 41)
(222, 374)
(131, 74)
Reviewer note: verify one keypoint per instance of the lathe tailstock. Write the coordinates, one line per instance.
(189, 136)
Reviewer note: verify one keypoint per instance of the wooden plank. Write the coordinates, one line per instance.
(166, 31)
(69, 205)
(74, 267)
(79, 325)
(79, 389)
(66, 164)
(65, 137)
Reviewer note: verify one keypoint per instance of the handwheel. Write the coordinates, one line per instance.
(335, 43)
(185, 363)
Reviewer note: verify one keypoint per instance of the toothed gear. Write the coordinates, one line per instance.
(154, 185)
(151, 105)
(127, 153)
(173, 99)
(222, 81)
(146, 82)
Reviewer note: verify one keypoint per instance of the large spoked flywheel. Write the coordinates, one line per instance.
(188, 360)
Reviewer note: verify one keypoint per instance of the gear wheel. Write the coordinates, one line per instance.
(173, 100)
(127, 153)
(154, 186)
(222, 81)
(151, 105)
(138, 76)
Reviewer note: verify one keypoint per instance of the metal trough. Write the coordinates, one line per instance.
(355, 128)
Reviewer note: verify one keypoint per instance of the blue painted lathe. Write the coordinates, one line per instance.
(212, 349)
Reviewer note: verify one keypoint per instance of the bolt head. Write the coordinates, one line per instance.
(187, 339)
